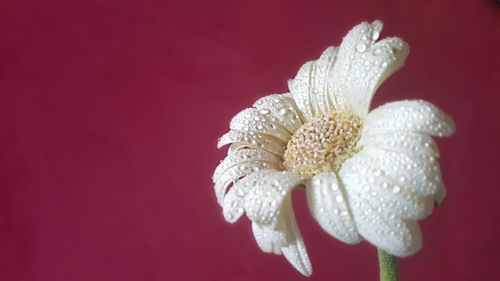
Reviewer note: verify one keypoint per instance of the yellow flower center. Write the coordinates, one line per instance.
(323, 144)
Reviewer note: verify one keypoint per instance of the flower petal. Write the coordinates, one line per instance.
(418, 176)
(380, 227)
(310, 88)
(283, 108)
(266, 199)
(260, 195)
(370, 69)
(413, 144)
(252, 140)
(361, 65)
(416, 149)
(367, 180)
(269, 240)
(285, 240)
(410, 115)
(295, 250)
(251, 119)
(345, 78)
(328, 205)
(240, 163)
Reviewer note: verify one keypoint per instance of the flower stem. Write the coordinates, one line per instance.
(388, 266)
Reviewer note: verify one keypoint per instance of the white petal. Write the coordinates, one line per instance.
(251, 119)
(286, 240)
(252, 140)
(260, 195)
(365, 179)
(416, 149)
(269, 240)
(266, 199)
(299, 88)
(283, 108)
(347, 51)
(329, 207)
(371, 68)
(415, 145)
(310, 89)
(327, 101)
(410, 115)
(361, 65)
(381, 228)
(241, 163)
(419, 176)
(346, 78)
(295, 250)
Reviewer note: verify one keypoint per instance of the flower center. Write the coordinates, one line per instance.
(323, 144)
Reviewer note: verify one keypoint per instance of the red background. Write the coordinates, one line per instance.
(110, 111)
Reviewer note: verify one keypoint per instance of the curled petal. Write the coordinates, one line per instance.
(419, 177)
(266, 199)
(413, 144)
(416, 154)
(393, 199)
(346, 78)
(260, 195)
(329, 207)
(283, 108)
(269, 240)
(362, 65)
(371, 68)
(410, 115)
(310, 89)
(380, 224)
(252, 140)
(295, 250)
(251, 119)
(285, 240)
(239, 164)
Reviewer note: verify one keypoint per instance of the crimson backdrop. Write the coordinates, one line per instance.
(110, 111)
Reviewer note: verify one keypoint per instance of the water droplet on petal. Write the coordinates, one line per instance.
(396, 189)
(264, 111)
(361, 47)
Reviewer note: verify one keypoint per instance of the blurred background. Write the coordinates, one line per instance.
(110, 112)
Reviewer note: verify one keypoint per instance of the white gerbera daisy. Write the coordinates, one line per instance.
(367, 175)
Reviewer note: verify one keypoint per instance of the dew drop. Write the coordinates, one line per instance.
(396, 189)
(264, 111)
(377, 51)
(361, 47)
(324, 191)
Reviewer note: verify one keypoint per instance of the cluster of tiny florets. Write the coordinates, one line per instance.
(323, 144)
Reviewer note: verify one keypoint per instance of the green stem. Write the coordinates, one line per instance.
(388, 266)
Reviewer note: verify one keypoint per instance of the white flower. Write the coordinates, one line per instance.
(367, 175)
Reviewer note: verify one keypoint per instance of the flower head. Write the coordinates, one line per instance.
(368, 175)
